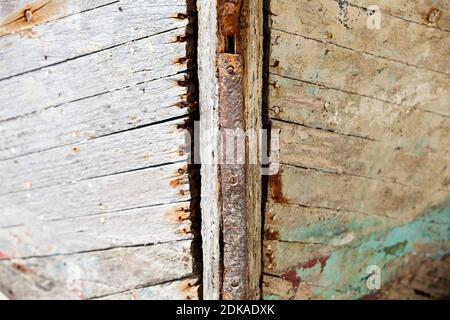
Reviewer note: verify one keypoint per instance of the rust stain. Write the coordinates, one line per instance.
(20, 268)
(38, 12)
(276, 188)
(228, 18)
(433, 16)
(271, 234)
(292, 275)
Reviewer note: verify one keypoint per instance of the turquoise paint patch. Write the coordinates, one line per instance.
(271, 297)
(346, 267)
(312, 91)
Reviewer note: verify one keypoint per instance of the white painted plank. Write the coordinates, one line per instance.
(88, 32)
(140, 226)
(129, 150)
(94, 274)
(135, 62)
(160, 185)
(209, 151)
(86, 119)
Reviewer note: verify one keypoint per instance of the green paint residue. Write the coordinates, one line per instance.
(312, 91)
(346, 268)
(396, 248)
(271, 297)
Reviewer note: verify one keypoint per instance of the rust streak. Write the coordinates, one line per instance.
(38, 12)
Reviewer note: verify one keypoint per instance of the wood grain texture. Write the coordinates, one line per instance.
(185, 289)
(13, 19)
(253, 18)
(102, 115)
(134, 189)
(431, 13)
(309, 187)
(82, 34)
(351, 71)
(96, 194)
(343, 24)
(351, 114)
(217, 283)
(95, 274)
(364, 131)
(98, 232)
(130, 150)
(209, 151)
(330, 152)
(132, 63)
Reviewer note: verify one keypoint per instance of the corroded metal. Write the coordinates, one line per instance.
(232, 176)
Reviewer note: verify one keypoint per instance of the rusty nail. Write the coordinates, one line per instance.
(234, 283)
(28, 15)
(230, 69)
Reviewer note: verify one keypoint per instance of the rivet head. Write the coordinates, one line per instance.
(230, 69)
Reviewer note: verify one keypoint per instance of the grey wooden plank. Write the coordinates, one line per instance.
(160, 185)
(140, 226)
(104, 114)
(132, 63)
(129, 150)
(185, 289)
(98, 273)
(88, 32)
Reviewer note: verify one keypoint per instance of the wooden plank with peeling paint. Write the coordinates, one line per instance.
(96, 274)
(432, 13)
(311, 187)
(343, 24)
(347, 113)
(88, 32)
(340, 68)
(327, 151)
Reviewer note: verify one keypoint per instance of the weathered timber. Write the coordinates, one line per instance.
(343, 24)
(130, 150)
(95, 274)
(347, 113)
(129, 64)
(310, 187)
(134, 189)
(228, 29)
(297, 57)
(331, 152)
(98, 232)
(83, 33)
(185, 289)
(102, 115)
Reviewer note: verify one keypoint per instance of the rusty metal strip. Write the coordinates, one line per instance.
(232, 175)
(232, 178)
